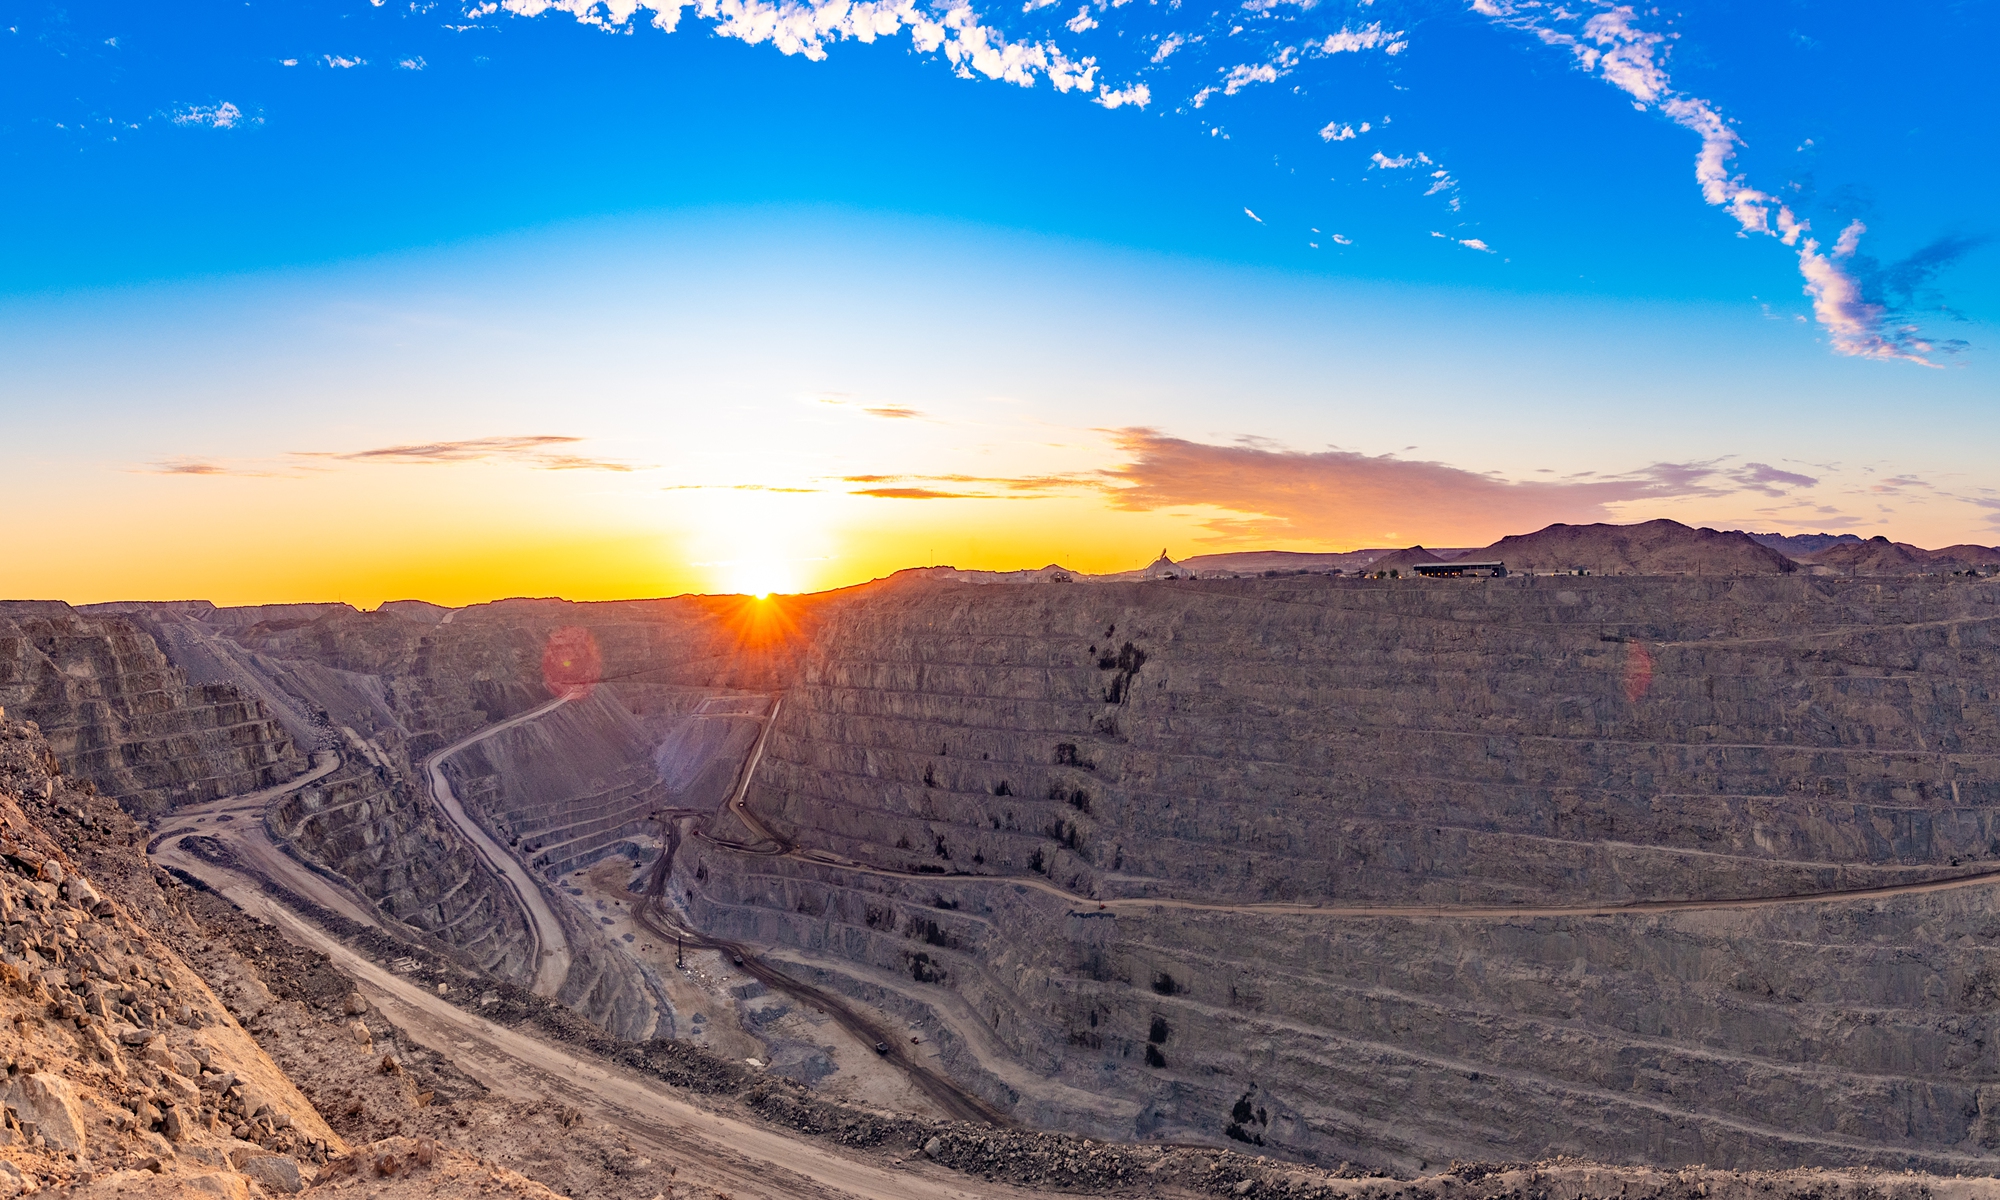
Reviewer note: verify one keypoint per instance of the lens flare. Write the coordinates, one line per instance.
(571, 663)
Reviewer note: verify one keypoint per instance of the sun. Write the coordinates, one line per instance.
(759, 577)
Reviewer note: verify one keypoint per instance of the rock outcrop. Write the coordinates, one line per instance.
(375, 830)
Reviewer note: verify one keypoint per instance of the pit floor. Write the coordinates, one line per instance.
(747, 1030)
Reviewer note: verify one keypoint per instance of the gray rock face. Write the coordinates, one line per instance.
(117, 713)
(1530, 743)
(566, 790)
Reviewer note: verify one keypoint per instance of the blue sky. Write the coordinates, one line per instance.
(1731, 267)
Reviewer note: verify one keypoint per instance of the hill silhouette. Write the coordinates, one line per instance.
(1659, 547)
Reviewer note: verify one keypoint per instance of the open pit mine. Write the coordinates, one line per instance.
(1664, 863)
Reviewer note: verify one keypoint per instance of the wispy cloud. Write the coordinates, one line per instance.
(1243, 75)
(1610, 43)
(1478, 244)
(971, 487)
(915, 493)
(1768, 479)
(1137, 94)
(537, 451)
(202, 466)
(1274, 494)
(1856, 325)
(888, 412)
(1373, 37)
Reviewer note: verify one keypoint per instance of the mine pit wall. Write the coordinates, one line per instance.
(699, 738)
(408, 686)
(608, 986)
(1403, 742)
(1398, 741)
(117, 713)
(418, 686)
(1835, 1034)
(949, 971)
(567, 790)
(379, 836)
(411, 686)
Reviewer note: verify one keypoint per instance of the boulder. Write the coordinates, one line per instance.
(50, 1103)
(274, 1172)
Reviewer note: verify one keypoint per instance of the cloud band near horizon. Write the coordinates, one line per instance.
(1336, 496)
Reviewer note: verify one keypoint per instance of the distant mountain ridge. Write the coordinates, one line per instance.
(1658, 547)
(1795, 544)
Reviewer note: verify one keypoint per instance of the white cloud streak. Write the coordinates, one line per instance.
(1610, 43)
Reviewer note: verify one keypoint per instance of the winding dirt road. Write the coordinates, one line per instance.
(748, 1158)
(239, 822)
(551, 954)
